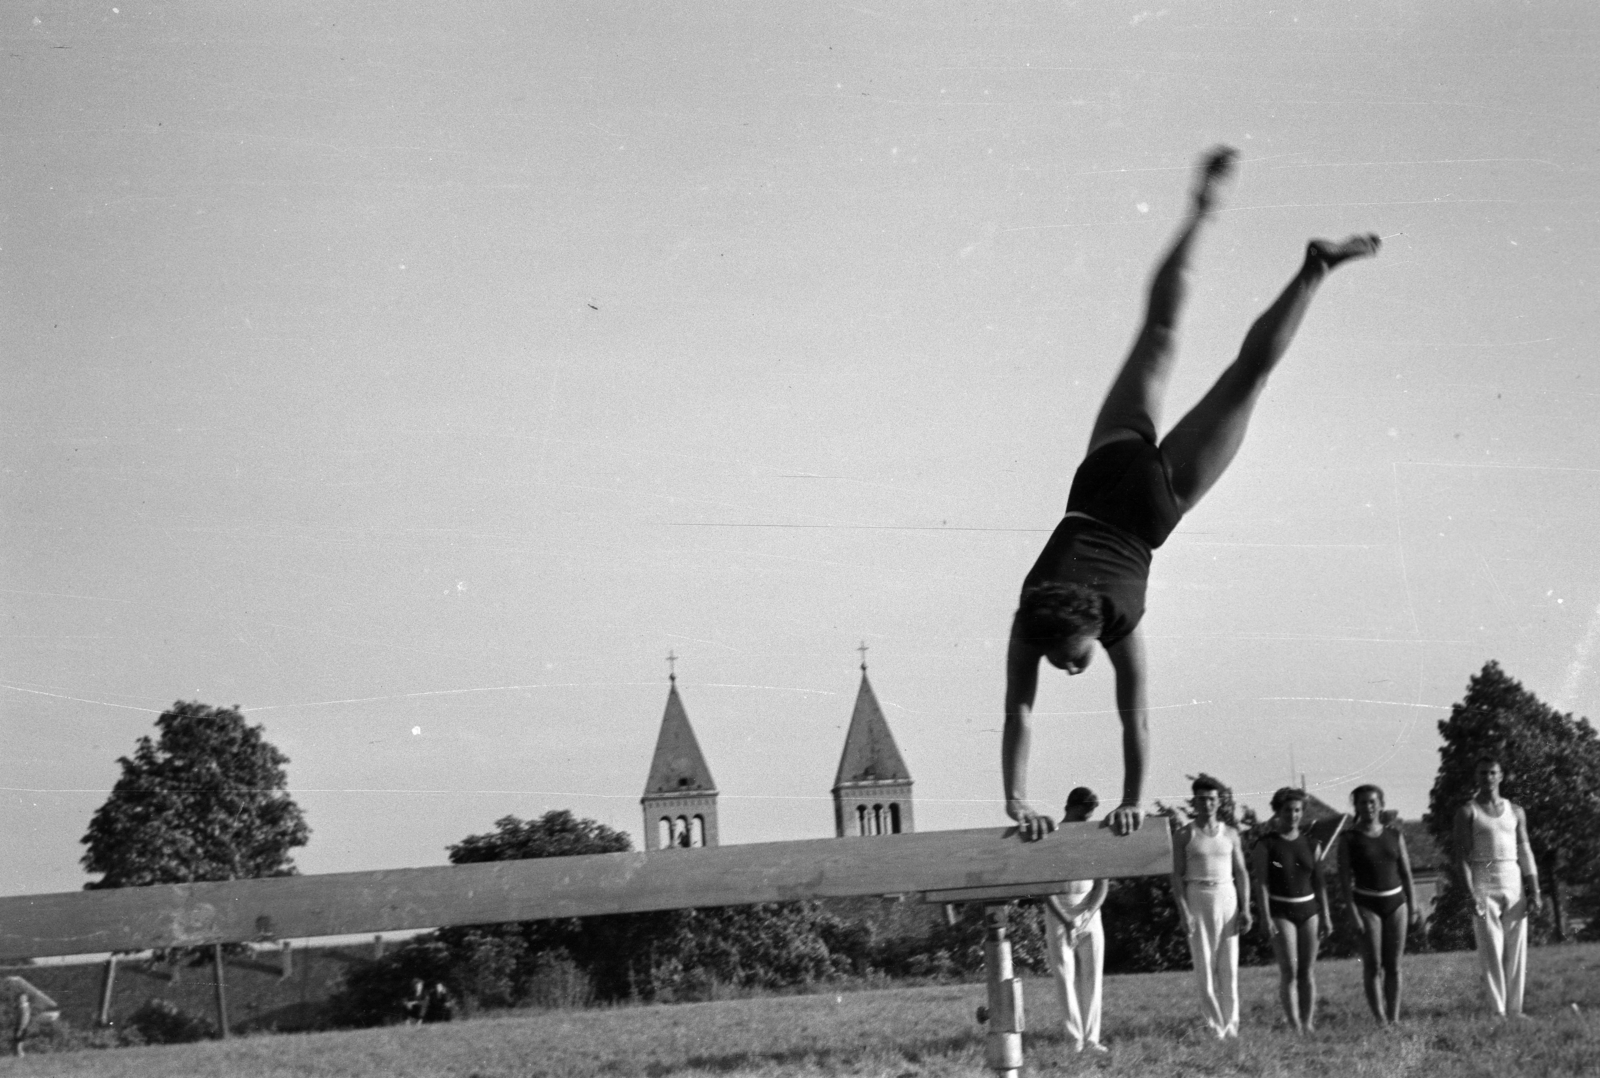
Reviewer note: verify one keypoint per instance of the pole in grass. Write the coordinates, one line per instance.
(1003, 1015)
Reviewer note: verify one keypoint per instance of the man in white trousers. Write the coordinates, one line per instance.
(1496, 864)
(1076, 942)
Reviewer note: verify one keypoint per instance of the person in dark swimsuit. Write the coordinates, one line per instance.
(1289, 887)
(1375, 875)
(1128, 494)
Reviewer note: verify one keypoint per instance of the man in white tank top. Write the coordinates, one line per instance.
(1076, 942)
(1212, 889)
(1495, 862)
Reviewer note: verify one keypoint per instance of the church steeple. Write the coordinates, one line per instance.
(680, 798)
(872, 790)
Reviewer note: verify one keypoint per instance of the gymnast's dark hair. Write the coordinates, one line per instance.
(1206, 782)
(1285, 795)
(1363, 790)
(1052, 611)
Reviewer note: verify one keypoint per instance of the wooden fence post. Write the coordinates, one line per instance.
(286, 961)
(106, 984)
(1004, 1050)
(222, 991)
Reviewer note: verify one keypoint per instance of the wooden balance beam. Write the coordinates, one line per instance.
(988, 865)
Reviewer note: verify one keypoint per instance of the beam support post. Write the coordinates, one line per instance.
(222, 991)
(1005, 1018)
(108, 983)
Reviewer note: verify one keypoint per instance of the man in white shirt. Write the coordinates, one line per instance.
(1076, 942)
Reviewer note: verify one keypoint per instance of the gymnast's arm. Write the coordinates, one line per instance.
(1022, 682)
(1128, 660)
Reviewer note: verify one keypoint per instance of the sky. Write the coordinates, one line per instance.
(417, 377)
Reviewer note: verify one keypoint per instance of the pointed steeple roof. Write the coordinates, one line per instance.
(870, 754)
(678, 766)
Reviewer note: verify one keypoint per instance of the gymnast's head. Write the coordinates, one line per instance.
(1289, 806)
(1062, 621)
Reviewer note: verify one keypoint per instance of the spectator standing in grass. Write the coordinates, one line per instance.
(1375, 876)
(24, 1019)
(415, 1005)
(1496, 865)
(1294, 899)
(1212, 888)
(1076, 941)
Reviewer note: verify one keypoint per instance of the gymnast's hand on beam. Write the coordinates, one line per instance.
(1030, 825)
(1125, 819)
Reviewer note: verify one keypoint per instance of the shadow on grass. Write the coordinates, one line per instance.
(834, 1060)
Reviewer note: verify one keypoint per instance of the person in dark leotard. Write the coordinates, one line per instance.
(1289, 887)
(1128, 494)
(1375, 875)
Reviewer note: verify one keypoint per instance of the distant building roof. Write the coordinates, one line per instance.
(678, 766)
(870, 754)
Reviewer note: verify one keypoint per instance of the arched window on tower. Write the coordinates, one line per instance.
(894, 817)
(861, 821)
(877, 819)
(680, 832)
(697, 831)
(664, 833)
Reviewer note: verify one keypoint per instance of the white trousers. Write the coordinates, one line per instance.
(1502, 933)
(1214, 950)
(1077, 959)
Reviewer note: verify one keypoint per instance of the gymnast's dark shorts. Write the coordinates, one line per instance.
(1127, 484)
(1382, 905)
(1294, 912)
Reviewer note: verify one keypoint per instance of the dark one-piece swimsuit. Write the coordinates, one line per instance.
(1290, 866)
(1121, 508)
(1375, 866)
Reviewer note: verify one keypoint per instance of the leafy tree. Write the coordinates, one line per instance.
(206, 800)
(1552, 767)
(558, 833)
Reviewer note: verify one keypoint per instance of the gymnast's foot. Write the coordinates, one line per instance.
(1214, 172)
(1326, 254)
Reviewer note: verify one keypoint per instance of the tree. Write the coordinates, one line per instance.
(206, 800)
(558, 833)
(1552, 767)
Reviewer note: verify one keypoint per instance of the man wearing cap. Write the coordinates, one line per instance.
(1076, 942)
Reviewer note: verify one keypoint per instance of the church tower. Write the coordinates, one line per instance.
(872, 791)
(680, 800)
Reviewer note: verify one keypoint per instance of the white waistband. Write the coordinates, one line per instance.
(1284, 898)
(1376, 894)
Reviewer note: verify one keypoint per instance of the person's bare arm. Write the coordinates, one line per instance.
(1058, 911)
(1128, 660)
(1097, 897)
(1022, 682)
(1525, 861)
(1241, 885)
(1180, 869)
(1407, 884)
(1319, 884)
(1461, 838)
(1258, 857)
(1347, 882)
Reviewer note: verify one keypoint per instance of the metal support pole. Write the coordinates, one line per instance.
(286, 968)
(1004, 1050)
(222, 991)
(107, 983)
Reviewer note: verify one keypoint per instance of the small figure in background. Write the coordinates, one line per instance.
(1076, 941)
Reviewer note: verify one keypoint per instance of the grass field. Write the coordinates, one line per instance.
(897, 1033)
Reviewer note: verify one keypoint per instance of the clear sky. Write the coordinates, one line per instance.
(416, 376)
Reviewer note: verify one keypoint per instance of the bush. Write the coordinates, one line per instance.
(160, 1021)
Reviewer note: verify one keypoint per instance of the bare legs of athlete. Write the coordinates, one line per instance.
(1383, 941)
(1295, 947)
(1203, 443)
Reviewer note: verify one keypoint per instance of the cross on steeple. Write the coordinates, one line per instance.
(672, 670)
(863, 650)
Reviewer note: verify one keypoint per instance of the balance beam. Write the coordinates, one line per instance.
(989, 862)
